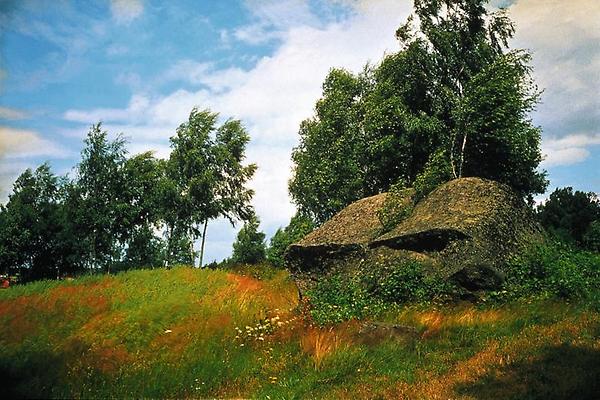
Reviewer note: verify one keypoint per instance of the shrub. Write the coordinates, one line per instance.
(553, 270)
(249, 246)
(298, 227)
(338, 298)
(591, 239)
(408, 283)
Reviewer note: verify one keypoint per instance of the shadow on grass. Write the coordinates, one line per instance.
(559, 372)
(31, 375)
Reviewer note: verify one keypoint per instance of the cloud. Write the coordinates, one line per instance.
(138, 104)
(568, 150)
(131, 79)
(20, 143)
(9, 172)
(18, 150)
(11, 113)
(272, 19)
(125, 11)
(565, 41)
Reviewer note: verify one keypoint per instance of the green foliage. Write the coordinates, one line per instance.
(32, 233)
(206, 177)
(339, 298)
(322, 185)
(453, 91)
(298, 227)
(336, 299)
(436, 172)
(97, 204)
(144, 249)
(396, 207)
(553, 270)
(249, 246)
(591, 239)
(500, 142)
(569, 215)
(407, 283)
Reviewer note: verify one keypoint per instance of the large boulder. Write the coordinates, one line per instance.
(464, 230)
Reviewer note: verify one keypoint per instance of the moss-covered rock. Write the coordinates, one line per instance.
(464, 231)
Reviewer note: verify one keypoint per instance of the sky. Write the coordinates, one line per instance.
(140, 66)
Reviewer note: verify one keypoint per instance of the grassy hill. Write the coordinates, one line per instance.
(190, 333)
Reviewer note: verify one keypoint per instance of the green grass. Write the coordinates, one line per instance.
(184, 333)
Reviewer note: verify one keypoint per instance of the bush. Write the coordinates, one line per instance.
(249, 246)
(553, 270)
(591, 239)
(298, 227)
(408, 283)
(338, 298)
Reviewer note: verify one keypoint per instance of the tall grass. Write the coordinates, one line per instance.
(200, 333)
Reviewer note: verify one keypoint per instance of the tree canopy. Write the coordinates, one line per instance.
(454, 95)
(249, 246)
(573, 216)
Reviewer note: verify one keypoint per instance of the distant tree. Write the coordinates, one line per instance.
(144, 249)
(570, 215)
(99, 204)
(206, 175)
(591, 239)
(142, 209)
(453, 90)
(298, 227)
(31, 229)
(249, 246)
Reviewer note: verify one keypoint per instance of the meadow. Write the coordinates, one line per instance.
(189, 333)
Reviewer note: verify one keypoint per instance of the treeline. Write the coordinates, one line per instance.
(120, 211)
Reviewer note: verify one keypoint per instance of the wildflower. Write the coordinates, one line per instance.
(168, 331)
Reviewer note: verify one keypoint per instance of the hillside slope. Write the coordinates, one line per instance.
(198, 333)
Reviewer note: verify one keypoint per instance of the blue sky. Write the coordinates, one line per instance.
(140, 66)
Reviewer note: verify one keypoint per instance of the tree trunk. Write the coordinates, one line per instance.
(169, 246)
(462, 155)
(453, 140)
(192, 250)
(203, 239)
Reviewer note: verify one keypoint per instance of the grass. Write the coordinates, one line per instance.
(199, 333)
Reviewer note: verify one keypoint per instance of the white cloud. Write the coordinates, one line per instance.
(11, 113)
(19, 143)
(117, 50)
(272, 19)
(136, 109)
(564, 37)
(568, 150)
(125, 11)
(9, 172)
